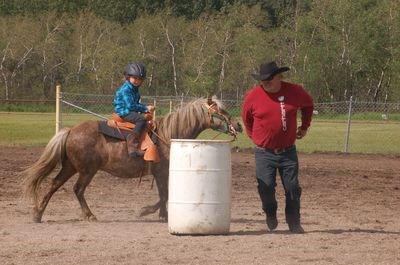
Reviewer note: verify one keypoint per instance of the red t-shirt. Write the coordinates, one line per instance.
(270, 119)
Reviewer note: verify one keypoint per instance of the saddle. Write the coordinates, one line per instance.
(146, 144)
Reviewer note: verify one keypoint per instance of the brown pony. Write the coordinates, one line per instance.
(84, 150)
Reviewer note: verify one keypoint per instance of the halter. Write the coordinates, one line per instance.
(213, 111)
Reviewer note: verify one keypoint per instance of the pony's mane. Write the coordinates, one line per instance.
(187, 121)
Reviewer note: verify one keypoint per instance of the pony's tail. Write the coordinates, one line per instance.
(51, 156)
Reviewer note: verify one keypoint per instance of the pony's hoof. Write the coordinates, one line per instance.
(92, 218)
(163, 216)
(163, 219)
(146, 211)
(37, 219)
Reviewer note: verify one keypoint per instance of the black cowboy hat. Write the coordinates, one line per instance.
(268, 70)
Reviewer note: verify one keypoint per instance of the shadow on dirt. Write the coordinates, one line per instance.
(342, 231)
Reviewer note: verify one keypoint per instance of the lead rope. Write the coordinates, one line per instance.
(218, 134)
(166, 143)
(159, 137)
(140, 177)
(149, 163)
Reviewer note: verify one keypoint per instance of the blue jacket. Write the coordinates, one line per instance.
(127, 99)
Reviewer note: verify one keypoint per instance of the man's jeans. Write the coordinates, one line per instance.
(286, 163)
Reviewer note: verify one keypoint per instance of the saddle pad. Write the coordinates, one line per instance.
(112, 132)
(146, 144)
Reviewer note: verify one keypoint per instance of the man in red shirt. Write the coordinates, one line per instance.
(270, 117)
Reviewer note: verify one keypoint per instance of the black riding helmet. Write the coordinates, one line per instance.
(135, 69)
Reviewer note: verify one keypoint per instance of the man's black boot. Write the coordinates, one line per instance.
(294, 224)
(269, 204)
(272, 221)
(292, 211)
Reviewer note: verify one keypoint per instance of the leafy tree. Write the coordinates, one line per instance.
(336, 49)
(16, 51)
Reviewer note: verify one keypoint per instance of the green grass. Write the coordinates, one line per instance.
(26, 128)
(28, 107)
(32, 129)
(330, 136)
(36, 129)
(363, 116)
(365, 137)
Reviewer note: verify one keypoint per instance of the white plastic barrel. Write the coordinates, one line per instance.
(199, 200)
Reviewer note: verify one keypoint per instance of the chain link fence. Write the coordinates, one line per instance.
(346, 126)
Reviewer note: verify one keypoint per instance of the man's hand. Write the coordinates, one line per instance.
(300, 133)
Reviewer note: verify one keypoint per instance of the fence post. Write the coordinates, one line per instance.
(155, 108)
(182, 100)
(346, 147)
(58, 106)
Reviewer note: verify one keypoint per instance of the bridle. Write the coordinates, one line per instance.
(214, 112)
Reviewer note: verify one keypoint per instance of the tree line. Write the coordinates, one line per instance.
(335, 49)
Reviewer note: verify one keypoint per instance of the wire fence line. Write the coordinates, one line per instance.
(346, 126)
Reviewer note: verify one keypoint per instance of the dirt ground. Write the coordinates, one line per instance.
(350, 211)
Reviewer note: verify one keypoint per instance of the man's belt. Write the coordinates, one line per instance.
(277, 151)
